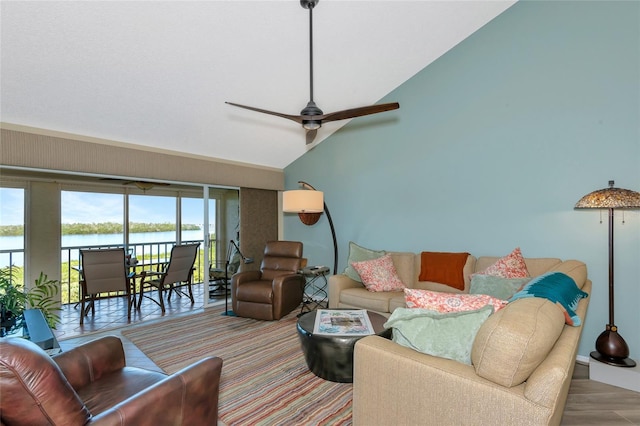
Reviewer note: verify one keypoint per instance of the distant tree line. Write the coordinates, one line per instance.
(11, 230)
(101, 228)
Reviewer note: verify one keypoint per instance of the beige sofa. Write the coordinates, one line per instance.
(523, 358)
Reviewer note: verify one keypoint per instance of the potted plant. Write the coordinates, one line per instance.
(14, 299)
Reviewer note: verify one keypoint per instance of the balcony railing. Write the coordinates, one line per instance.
(149, 255)
(13, 257)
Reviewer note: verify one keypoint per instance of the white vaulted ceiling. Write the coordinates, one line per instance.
(157, 73)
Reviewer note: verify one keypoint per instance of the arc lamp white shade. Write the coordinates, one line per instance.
(302, 201)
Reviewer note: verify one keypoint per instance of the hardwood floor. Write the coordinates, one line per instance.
(595, 403)
(588, 403)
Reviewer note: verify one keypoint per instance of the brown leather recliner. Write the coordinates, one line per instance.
(276, 289)
(90, 384)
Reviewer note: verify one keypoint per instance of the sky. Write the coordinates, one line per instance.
(11, 206)
(83, 207)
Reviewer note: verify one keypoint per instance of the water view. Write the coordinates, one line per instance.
(68, 241)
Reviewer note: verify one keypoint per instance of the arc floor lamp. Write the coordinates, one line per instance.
(309, 204)
(611, 348)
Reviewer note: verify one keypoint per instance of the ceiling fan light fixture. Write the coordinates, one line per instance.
(311, 124)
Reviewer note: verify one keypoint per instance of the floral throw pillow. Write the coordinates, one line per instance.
(510, 266)
(379, 274)
(450, 302)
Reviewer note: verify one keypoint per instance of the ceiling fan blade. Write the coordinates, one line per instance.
(359, 112)
(296, 118)
(311, 136)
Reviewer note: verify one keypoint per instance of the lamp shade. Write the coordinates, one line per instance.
(610, 198)
(302, 201)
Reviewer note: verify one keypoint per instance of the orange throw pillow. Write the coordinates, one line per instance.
(443, 268)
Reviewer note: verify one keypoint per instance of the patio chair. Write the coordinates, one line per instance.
(177, 274)
(103, 271)
(220, 277)
(276, 289)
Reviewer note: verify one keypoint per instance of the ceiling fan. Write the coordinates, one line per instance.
(312, 117)
(140, 184)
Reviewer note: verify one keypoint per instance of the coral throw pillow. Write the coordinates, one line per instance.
(379, 274)
(450, 302)
(510, 266)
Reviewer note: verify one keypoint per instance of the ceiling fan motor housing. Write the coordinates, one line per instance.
(308, 4)
(309, 111)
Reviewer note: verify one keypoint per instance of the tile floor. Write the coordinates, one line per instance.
(111, 317)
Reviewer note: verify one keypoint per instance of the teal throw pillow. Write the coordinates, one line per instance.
(360, 254)
(498, 287)
(446, 335)
(558, 288)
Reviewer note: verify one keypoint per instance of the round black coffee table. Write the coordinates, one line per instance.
(331, 357)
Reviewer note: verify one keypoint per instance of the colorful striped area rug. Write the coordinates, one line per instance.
(265, 380)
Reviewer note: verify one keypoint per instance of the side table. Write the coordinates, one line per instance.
(314, 296)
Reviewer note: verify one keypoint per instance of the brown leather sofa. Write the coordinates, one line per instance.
(276, 289)
(90, 384)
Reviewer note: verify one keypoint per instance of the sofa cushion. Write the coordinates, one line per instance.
(364, 299)
(535, 265)
(446, 335)
(558, 288)
(573, 268)
(397, 302)
(509, 266)
(405, 266)
(358, 254)
(379, 274)
(445, 268)
(502, 288)
(515, 340)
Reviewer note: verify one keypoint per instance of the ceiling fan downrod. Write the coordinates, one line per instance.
(311, 109)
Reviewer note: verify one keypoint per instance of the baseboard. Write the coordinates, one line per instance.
(581, 359)
(623, 377)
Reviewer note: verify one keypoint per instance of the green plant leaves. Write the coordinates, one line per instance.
(41, 296)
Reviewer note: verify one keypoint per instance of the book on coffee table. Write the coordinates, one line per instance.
(342, 322)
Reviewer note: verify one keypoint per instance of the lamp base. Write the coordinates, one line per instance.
(229, 314)
(612, 349)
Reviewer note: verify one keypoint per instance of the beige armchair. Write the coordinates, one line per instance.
(276, 289)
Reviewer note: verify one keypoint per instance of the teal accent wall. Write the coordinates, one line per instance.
(493, 145)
